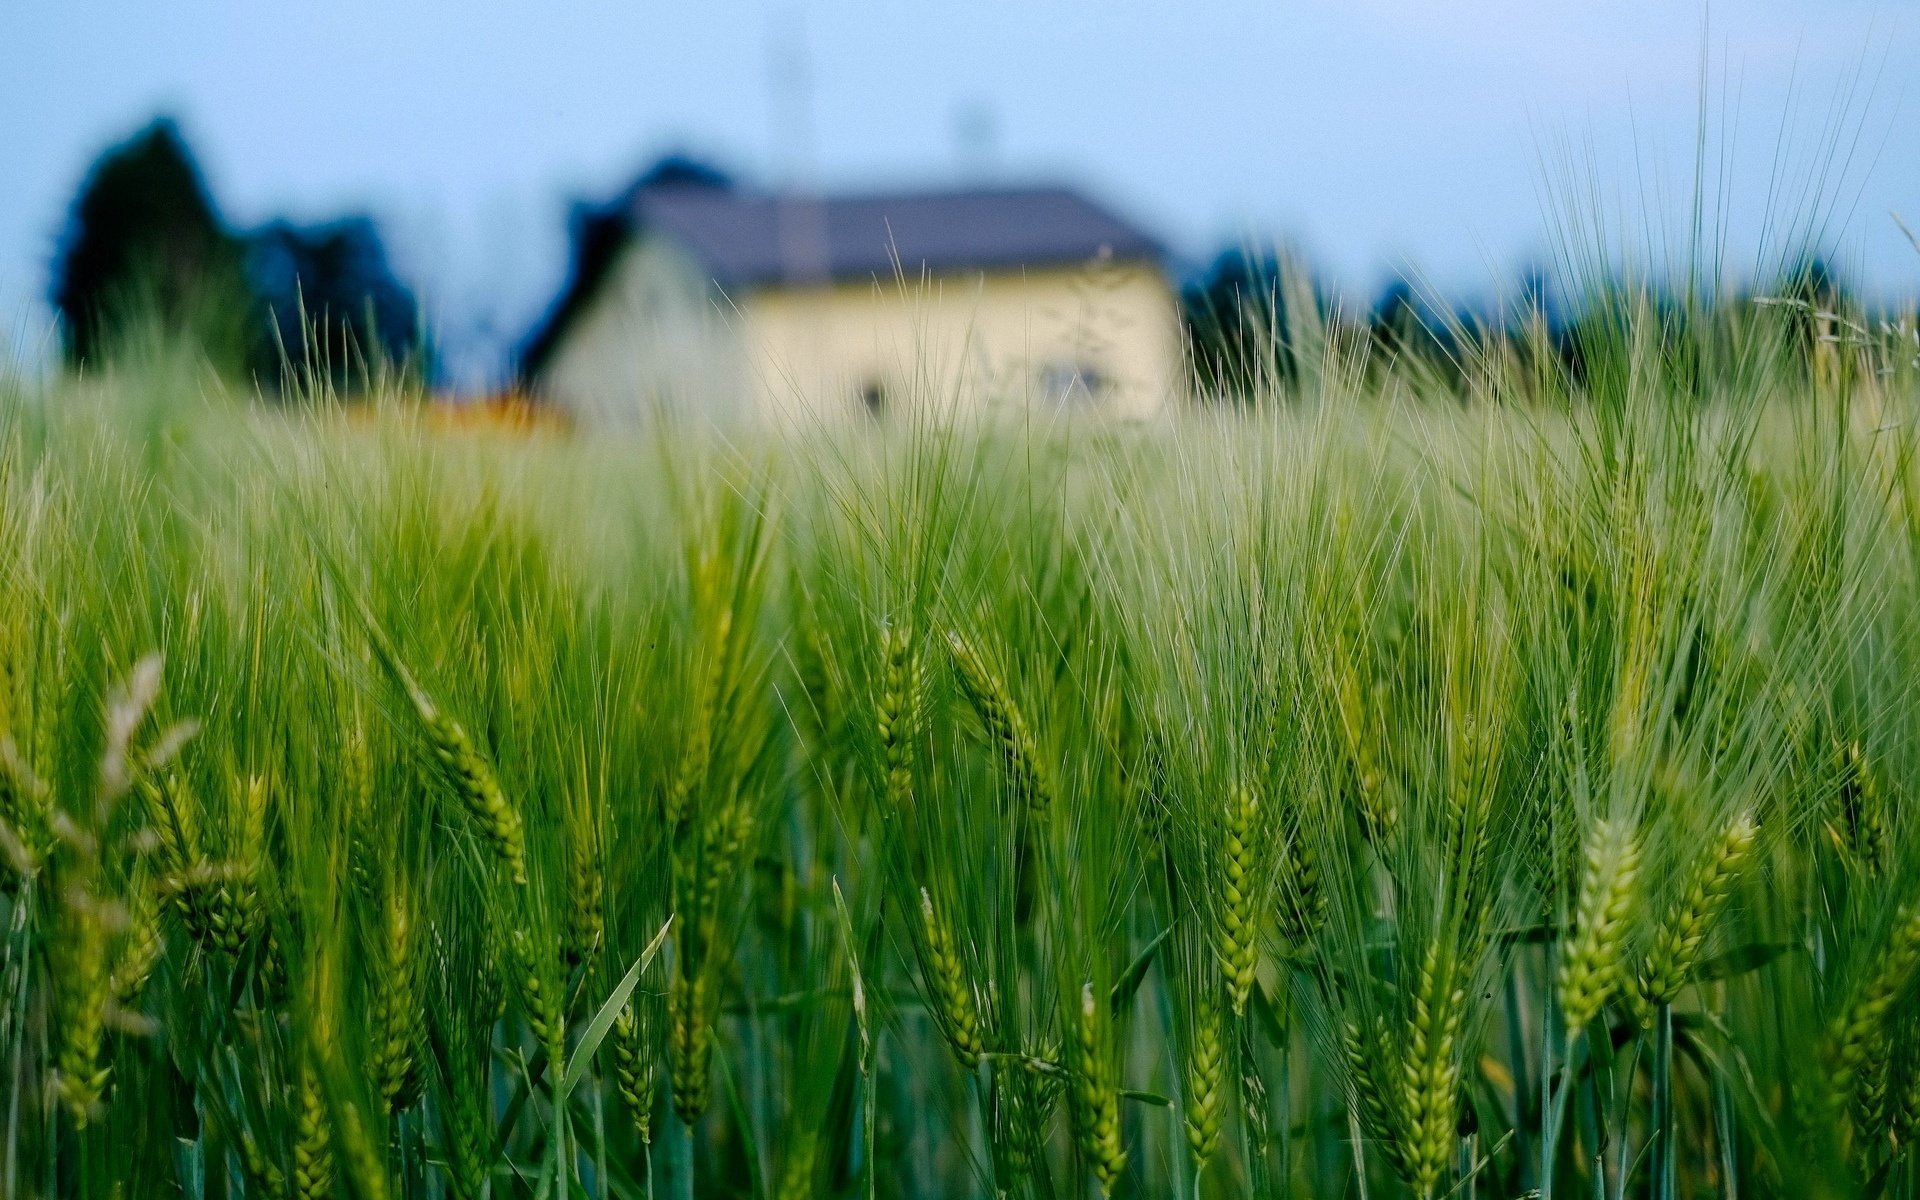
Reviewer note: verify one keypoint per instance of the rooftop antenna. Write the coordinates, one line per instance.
(799, 219)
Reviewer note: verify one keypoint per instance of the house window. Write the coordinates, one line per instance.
(1070, 383)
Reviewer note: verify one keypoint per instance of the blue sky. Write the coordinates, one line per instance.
(1381, 136)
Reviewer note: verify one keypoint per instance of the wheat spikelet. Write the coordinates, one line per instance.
(1379, 816)
(1590, 957)
(898, 708)
(1430, 1073)
(696, 755)
(1235, 939)
(1363, 1049)
(82, 989)
(472, 780)
(1905, 1125)
(1205, 1085)
(946, 982)
(171, 815)
(1303, 901)
(261, 1172)
(727, 837)
(689, 1045)
(586, 896)
(1000, 716)
(140, 947)
(635, 1069)
(1871, 1113)
(396, 1016)
(312, 1142)
(1019, 1119)
(240, 904)
(1854, 1033)
(1096, 1105)
(472, 1138)
(357, 773)
(1678, 940)
(540, 998)
(1862, 809)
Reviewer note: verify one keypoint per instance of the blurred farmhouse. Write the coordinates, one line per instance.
(691, 292)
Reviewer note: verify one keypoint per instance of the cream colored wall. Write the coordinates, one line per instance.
(984, 339)
(655, 338)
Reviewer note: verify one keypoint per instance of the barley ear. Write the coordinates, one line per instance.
(1590, 957)
(82, 990)
(260, 1171)
(1303, 901)
(1678, 941)
(396, 1016)
(635, 1070)
(1368, 1056)
(541, 998)
(953, 999)
(472, 780)
(1863, 810)
(898, 709)
(1096, 1104)
(1430, 1072)
(586, 894)
(1856, 1031)
(140, 947)
(1005, 724)
(1205, 1084)
(689, 1044)
(1235, 939)
(312, 1142)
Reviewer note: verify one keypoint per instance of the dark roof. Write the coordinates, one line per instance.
(746, 238)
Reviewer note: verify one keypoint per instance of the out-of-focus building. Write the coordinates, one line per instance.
(696, 295)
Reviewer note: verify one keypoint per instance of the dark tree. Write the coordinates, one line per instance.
(331, 302)
(680, 170)
(143, 242)
(1237, 325)
(1410, 333)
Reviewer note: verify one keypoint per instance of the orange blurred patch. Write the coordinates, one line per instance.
(510, 411)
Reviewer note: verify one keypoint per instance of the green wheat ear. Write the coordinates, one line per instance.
(1430, 1072)
(635, 1067)
(1238, 933)
(1096, 1103)
(1206, 1084)
(1006, 726)
(471, 778)
(1590, 958)
(898, 711)
(1678, 940)
(946, 980)
(1861, 1024)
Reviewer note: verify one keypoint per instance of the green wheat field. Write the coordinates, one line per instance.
(1475, 779)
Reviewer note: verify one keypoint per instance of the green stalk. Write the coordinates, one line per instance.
(1725, 1134)
(1552, 1107)
(1286, 1103)
(1517, 1066)
(1591, 1127)
(680, 1156)
(1660, 1154)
